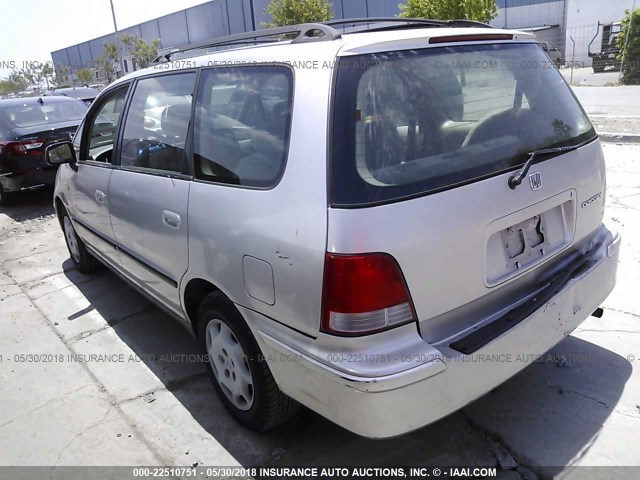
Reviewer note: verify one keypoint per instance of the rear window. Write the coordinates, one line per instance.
(412, 122)
(35, 114)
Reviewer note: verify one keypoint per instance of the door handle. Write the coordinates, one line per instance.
(171, 219)
(101, 197)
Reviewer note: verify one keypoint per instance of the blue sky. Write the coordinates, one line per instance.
(32, 29)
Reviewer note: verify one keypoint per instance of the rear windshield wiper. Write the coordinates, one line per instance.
(516, 179)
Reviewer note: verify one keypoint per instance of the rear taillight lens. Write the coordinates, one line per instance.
(23, 147)
(363, 294)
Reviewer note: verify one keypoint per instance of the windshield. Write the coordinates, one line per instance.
(35, 114)
(417, 121)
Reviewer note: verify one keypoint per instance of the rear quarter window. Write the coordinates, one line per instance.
(242, 125)
(414, 122)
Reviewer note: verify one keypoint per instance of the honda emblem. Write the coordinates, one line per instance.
(535, 180)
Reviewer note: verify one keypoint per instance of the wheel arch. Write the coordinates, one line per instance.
(60, 207)
(195, 292)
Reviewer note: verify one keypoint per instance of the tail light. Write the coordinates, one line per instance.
(22, 147)
(363, 294)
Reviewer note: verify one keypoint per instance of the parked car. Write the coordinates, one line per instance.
(382, 225)
(85, 94)
(552, 52)
(27, 126)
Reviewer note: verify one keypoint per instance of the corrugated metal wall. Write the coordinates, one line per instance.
(206, 21)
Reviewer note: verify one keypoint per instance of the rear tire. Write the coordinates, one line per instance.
(6, 198)
(80, 256)
(239, 371)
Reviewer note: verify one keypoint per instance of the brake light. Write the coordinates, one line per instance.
(22, 147)
(471, 38)
(363, 294)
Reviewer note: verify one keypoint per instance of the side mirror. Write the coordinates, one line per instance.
(60, 152)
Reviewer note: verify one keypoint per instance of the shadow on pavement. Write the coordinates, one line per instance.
(30, 204)
(554, 410)
(309, 439)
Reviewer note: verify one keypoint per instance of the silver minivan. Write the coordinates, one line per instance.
(381, 220)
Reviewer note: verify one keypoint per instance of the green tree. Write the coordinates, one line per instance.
(33, 74)
(630, 53)
(143, 53)
(15, 82)
(47, 73)
(85, 76)
(60, 76)
(293, 12)
(108, 62)
(478, 10)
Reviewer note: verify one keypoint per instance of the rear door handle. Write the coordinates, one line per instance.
(101, 197)
(171, 219)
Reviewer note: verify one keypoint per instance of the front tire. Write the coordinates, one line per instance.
(80, 256)
(239, 372)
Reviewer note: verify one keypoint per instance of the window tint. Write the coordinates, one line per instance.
(415, 121)
(242, 124)
(155, 130)
(103, 125)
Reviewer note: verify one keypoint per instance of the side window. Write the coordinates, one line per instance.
(103, 125)
(242, 124)
(155, 130)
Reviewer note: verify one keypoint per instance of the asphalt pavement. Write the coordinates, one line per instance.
(614, 111)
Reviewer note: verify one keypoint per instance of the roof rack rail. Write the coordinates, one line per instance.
(307, 32)
(408, 22)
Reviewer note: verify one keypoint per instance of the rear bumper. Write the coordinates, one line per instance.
(34, 179)
(379, 395)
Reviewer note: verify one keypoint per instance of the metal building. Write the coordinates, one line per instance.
(209, 20)
(562, 22)
(566, 23)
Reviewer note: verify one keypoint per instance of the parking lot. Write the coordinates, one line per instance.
(92, 374)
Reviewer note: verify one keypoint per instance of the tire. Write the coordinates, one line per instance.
(598, 66)
(6, 198)
(238, 370)
(80, 256)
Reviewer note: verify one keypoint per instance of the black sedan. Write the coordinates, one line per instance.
(27, 125)
(86, 94)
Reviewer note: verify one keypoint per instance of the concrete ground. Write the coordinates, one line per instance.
(92, 374)
(585, 77)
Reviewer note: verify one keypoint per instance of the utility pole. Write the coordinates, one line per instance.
(113, 14)
(115, 28)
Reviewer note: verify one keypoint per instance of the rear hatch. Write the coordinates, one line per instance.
(425, 141)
